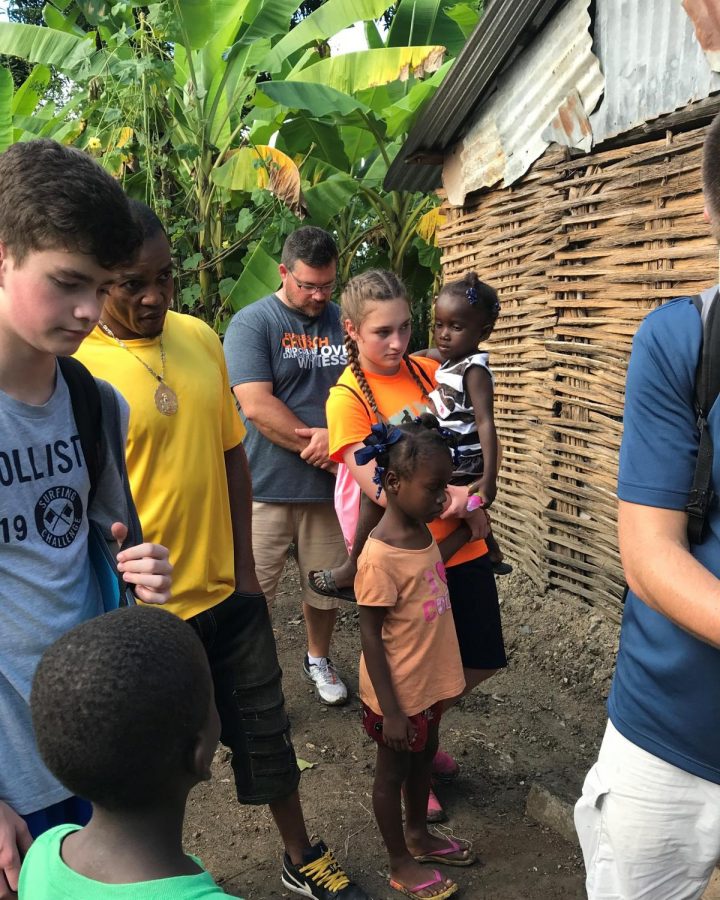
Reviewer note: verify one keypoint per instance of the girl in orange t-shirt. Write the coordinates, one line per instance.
(410, 659)
(382, 383)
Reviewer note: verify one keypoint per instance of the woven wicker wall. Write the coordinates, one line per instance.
(579, 251)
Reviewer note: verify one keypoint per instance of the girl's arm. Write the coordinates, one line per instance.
(398, 731)
(480, 388)
(429, 352)
(363, 474)
(453, 542)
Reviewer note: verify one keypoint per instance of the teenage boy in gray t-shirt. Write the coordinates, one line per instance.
(64, 225)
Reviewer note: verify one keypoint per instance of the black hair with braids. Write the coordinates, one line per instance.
(479, 296)
(405, 447)
(373, 285)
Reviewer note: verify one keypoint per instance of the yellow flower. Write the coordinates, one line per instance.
(94, 145)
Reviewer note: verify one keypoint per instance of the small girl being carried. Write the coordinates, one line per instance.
(465, 314)
(411, 660)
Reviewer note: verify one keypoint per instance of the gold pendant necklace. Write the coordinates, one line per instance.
(166, 401)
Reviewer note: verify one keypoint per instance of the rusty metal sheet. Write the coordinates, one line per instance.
(556, 79)
(652, 60)
(570, 127)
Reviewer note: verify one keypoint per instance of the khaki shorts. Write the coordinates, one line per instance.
(315, 531)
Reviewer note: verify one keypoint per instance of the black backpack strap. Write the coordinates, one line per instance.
(85, 400)
(707, 388)
(359, 397)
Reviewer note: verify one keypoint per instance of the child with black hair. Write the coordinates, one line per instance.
(410, 659)
(124, 716)
(383, 383)
(465, 314)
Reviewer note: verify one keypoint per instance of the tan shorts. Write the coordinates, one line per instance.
(313, 528)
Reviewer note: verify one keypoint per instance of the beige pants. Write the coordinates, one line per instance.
(313, 528)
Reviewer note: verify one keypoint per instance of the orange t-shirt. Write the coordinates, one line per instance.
(398, 398)
(418, 633)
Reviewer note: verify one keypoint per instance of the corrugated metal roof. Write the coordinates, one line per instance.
(498, 35)
(570, 126)
(553, 85)
(649, 54)
(652, 61)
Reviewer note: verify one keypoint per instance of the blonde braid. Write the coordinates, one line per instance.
(352, 356)
(412, 369)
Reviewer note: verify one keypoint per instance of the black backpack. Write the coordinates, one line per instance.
(707, 388)
(87, 410)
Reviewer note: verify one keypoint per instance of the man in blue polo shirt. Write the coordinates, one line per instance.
(649, 816)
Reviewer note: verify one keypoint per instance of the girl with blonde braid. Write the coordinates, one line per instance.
(382, 383)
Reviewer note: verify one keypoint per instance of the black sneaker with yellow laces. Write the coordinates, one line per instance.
(320, 876)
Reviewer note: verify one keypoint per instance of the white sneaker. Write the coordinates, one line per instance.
(328, 683)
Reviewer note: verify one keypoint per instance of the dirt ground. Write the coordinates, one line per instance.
(538, 722)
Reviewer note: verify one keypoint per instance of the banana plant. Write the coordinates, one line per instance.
(235, 126)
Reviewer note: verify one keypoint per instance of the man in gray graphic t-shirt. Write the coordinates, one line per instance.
(284, 353)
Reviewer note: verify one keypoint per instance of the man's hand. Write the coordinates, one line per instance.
(316, 452)
(398, 732)
(15, 842)
(146, 566)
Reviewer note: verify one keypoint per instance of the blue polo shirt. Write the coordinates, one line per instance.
(665, 695)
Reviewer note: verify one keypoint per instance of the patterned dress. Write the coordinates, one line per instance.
(454, 409)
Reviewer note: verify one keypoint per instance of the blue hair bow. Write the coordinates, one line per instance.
(450, 439)
(380, 439)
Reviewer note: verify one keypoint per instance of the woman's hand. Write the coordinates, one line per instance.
(457, 505)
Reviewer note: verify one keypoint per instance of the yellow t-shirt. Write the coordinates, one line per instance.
(176, 463)
(418, 633)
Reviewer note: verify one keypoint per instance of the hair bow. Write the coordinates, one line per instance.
(380, 439)
(472, 296)
(450, 439)
(378, 442)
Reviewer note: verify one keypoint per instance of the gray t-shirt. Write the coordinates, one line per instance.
(46, 582)
(302, 357)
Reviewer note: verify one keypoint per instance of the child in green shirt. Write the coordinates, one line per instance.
(124, 716)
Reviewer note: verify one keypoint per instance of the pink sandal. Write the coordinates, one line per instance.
(444, 766)
(435, 812)
(444, 855)
(437, 879)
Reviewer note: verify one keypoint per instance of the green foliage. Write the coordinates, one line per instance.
(180, 101)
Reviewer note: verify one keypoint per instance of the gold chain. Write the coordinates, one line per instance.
(161, 377)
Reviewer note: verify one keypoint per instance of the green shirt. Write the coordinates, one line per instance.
(44, 876)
